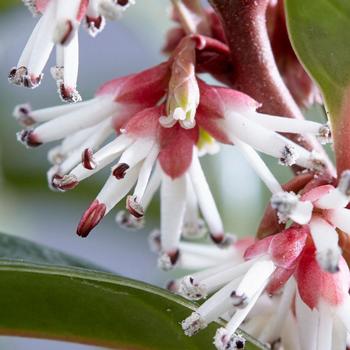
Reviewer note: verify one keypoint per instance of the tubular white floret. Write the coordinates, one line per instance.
(273, 329)
(288, 206)
(225, 341)
(325, 238)
(338, 197)
(76, 120)
(206, 201)
(173, 203)
(291, 125)
(269, 142)
(58, 25)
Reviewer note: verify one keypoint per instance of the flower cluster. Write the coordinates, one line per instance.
(58, 26)
(290, 289)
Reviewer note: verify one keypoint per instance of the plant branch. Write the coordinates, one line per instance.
(255, 69)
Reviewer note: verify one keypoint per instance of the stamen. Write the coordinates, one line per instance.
(20, 76)
(192, 289)
(288, 156)
(94, 25)
(92, 216)
(324, 135)
(68, 94)
(65, 183)
(344, 183)
(28, 138)
(284, 203)
(329, 260)
(88, 159)
(134, 207)
(167, 261)
(22, 114)
(325, 239)
(224, 341)
(63, 32)
(288, 206)
(239, 301)
(57, 72)
(193, 324)
(317, 162)
(120, 171)
(172, 286)
(129, 222)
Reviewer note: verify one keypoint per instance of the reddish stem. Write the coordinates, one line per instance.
(255, 69)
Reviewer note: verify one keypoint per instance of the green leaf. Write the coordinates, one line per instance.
(95, 308)
(320, 34)
(5, 4)
(16, 248)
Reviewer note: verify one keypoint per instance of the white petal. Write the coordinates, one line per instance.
(258, 165)
(173, 202)
(340, 218)
(325, 238)
(205, 198)
(115, 190)
(76, 120)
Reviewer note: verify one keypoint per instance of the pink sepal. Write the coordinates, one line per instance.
(145, 88)
(176, 146)
(314, 283)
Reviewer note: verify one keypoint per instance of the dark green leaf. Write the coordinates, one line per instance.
(16, 248)
(320, 33)
(94, 308)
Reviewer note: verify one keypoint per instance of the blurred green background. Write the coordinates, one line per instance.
(29, 209)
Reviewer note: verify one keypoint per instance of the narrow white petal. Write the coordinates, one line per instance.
(343, 312)
(194, 227)
(173, 202)
(205, 198)
(241, 314)
(115, 190)
(333, 200)
(103, 157)
(46, 114)
(290, 337)
(307, 321)
(258, 165)
(325, 328)
(43, 44)
(339, 335)
(267, 141)
(145, 172)
(257, 276)
(76, 120)
(71, 63)
(218, 303)
(273, 328)
(101, 133)
(340, 218)
(287, 125)
(136, 152)
(152, 187)
(24, 58)
(325, 238)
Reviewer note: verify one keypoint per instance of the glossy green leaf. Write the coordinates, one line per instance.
(87, 306)
(96, 308)
(320, 34)
(5, 4)
(16, 248)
